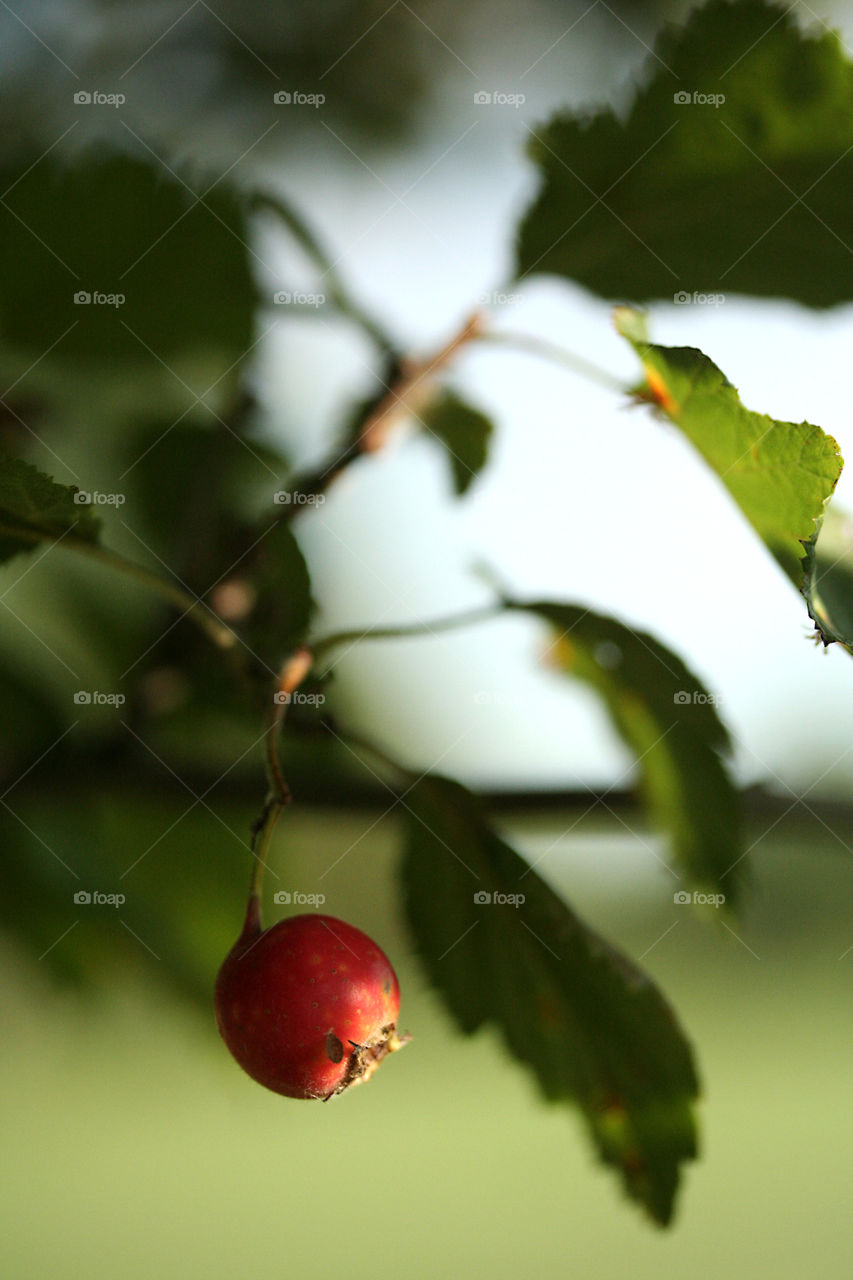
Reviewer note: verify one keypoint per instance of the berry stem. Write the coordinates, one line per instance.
(293, 672)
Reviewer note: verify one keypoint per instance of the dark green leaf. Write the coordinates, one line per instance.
(34, 508)
(175, 268)
(196, 487)
(282, 586)
(689, 197)
(465, 433)
(781, 474)
(668, 720)
(593, 1027)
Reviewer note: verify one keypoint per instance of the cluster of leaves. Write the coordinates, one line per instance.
(596, 1032)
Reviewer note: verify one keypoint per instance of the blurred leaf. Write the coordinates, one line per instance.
(464, 431)
(33, 507)
(122, 228)
(197, 487)
(751, 195)
(668, 720)
(112, 841)
(282, 585)
(593, 1027)
(781, 474)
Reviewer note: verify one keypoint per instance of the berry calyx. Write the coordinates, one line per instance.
(309, 1006)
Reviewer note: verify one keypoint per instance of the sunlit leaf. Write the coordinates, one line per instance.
(780, 474)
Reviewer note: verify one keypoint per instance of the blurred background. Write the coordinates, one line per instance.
(136, 1146)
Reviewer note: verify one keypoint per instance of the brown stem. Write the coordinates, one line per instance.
(413, 388)
(408, 386)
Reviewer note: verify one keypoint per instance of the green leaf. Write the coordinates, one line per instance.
(34, 508)
(176, 268)
(592, 1027)
(282, 584)
(781, 474)
(181, 474)
(465, 433)
(668, 720)
(748, 195)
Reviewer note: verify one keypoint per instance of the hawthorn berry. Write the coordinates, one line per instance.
(309, 1006)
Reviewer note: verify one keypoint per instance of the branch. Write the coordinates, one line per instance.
(338, 292)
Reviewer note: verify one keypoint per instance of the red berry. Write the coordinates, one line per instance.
(309, 1006)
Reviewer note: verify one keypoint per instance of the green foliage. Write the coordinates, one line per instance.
(781, 474)
(34, 508)
(667, 718)
(750, 195)
(503, 948)
(465, 433)
(179, 264)
(146, 385)
(282, 585)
